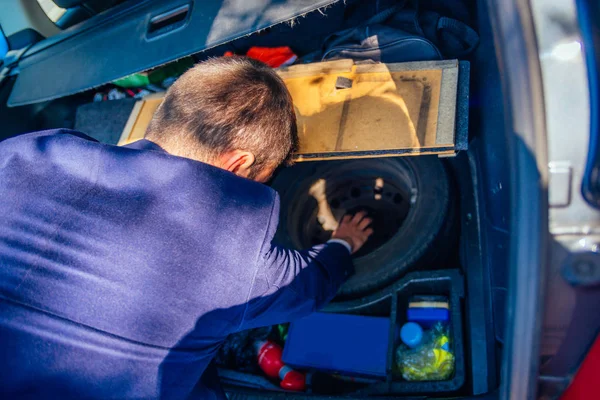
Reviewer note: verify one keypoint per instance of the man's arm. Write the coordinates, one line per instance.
(291, 284)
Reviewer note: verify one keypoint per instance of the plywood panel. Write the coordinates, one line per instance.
(140, 117)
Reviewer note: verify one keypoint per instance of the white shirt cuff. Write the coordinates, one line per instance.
(342, 242)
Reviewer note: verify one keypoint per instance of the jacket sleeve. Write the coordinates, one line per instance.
(291, 284)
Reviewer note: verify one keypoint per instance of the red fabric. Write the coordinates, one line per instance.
(586, 381)
(272, 56)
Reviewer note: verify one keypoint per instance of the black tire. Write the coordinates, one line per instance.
(427, 180)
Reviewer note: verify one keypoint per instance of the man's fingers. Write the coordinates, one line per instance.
(364, 223)
(359, 216)
(355, 229)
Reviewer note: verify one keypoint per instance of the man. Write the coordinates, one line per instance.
(123, 269)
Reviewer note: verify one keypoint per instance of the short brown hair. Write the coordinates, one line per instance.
(225, 104)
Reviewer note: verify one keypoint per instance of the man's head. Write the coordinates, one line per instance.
(234, 113)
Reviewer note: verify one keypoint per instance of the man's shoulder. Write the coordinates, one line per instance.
(76, 153)
(51, 134)
(43, 144)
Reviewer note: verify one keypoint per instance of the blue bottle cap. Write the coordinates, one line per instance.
(411, 334)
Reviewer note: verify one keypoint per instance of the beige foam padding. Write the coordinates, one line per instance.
(389, 109)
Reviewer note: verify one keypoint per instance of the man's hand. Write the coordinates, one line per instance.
(354, 230)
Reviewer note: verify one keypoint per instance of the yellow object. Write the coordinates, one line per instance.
(441, 341)
(429, 362)
(441, 357)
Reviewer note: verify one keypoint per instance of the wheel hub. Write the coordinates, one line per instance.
(384, 194)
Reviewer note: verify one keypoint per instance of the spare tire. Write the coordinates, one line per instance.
(408, 199)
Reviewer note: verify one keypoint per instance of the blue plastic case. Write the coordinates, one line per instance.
(347, 344)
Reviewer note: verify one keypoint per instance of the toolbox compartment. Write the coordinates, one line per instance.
(440, 282)
(393, 299)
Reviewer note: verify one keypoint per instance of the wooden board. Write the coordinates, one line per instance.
(135, 128)
(353, 111)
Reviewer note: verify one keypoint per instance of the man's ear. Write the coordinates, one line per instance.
(238, 162)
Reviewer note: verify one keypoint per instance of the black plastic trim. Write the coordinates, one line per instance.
(480, 347)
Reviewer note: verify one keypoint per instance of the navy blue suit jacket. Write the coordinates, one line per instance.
(122, 269)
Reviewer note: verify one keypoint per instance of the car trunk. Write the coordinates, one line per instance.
(467, 262)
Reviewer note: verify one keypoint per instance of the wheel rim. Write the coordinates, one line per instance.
(424, 198)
